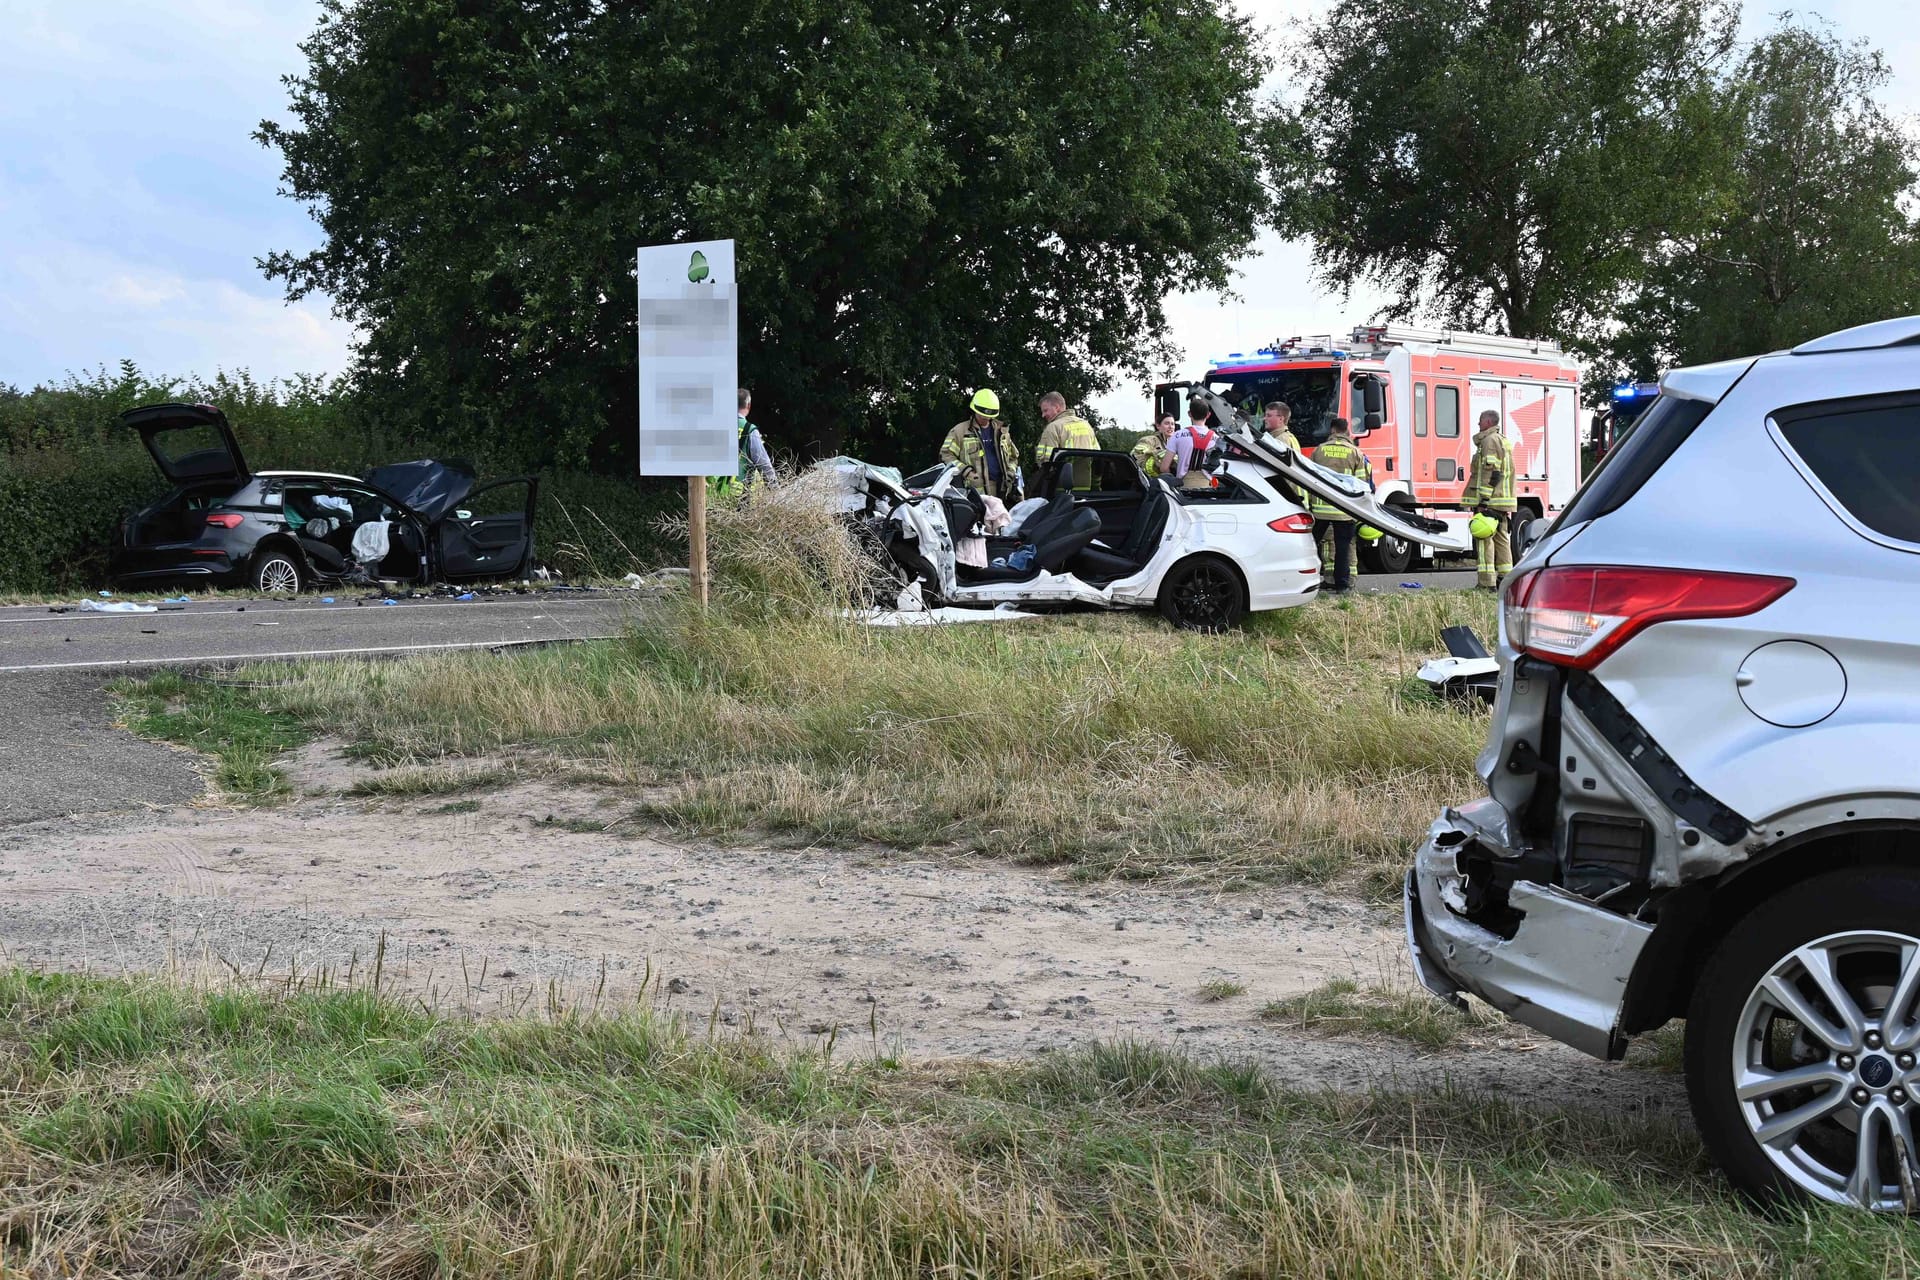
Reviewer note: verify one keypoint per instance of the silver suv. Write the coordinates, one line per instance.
(1704, 768)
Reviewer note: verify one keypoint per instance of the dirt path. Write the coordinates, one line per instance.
(930, 958)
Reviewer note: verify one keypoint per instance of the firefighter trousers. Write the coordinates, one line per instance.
(1336, 551)
(1493, 556)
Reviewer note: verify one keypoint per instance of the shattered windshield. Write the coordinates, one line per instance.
(1313, 394)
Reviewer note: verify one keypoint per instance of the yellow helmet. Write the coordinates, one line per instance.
(1367, 533)
(1483, 526)
(985, 403)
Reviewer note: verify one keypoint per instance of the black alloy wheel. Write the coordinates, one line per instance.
(1203, 594)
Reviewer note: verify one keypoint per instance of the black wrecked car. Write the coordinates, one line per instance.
(224, 524)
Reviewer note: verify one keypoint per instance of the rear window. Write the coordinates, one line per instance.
(179, 444)
(1649, 442)
(1867, 454)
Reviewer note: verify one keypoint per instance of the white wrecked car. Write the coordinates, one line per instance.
(1107, 536)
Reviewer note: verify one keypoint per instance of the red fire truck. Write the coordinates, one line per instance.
(1414, 397)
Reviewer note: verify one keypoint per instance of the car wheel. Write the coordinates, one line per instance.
(1801, 1043)
(277, 573)
(1386, 554)
(1522, 534)
(1203, 593)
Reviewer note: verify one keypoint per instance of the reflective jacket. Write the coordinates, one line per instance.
(964, 446)
(755, 465)
(1490, 483)
(1149, 452)
(1068, 431)
(1342, 455)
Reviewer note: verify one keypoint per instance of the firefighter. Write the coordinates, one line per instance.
(755, 467)
(1489, 493)
(1279, 418)
(1191, 447)
(1332, 527)
(1065, 429)
(1152, 452)
(984, 448)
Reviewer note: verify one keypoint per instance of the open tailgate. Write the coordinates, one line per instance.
(190, 443)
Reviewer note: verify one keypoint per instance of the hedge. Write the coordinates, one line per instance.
(68, 474)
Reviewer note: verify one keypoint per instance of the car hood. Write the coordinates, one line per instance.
(190, 443)
(430, 487)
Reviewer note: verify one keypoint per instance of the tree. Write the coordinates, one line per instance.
(1813, 230)
(1502, 162)
(927, 195)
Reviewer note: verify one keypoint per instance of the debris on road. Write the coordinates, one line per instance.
(1470, 671)
(118, 606)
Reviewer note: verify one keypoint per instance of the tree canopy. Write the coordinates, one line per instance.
(1812, 231)
(1500, 162)
(927, 195)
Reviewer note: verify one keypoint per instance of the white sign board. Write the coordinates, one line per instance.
(689, 360)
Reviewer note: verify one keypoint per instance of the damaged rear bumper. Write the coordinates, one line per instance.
(1564, 970)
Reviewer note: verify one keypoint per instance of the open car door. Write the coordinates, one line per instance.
(1343, 492)
(1107, 482)
(490, 535)
(191, 443)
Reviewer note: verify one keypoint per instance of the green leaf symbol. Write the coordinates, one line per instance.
(697, 269)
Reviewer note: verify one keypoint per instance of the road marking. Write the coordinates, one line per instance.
(75, 612)
(295, 653)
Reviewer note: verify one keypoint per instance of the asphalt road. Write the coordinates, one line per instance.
(33, 639)
(1390, 583)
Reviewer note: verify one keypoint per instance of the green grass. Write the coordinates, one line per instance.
(1663, 1050)
(1219, 989)
(243, 737)
(153, 1129)
(407, 784)
(1344, 1007)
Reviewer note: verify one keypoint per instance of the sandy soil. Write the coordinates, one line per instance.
(490, 901)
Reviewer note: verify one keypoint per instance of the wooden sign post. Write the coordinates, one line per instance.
(689, 375)
(697, 536)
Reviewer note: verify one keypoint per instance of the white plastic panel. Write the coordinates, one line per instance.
(1563, 445)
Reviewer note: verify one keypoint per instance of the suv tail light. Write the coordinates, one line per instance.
(1298, 522)
(1575, 616)
(226, 519)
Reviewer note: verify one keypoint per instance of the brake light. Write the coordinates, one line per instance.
(1298, 522)
(1577, 615)
(226, 519)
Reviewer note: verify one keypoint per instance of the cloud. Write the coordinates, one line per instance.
(169, 324)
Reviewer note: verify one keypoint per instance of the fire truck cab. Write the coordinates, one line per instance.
(1414, 397)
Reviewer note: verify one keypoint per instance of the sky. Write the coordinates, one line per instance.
(134, 202)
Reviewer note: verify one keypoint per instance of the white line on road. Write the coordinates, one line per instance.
(295, 653)
(75, 613)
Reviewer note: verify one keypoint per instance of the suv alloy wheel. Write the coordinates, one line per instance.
(1802, 1041)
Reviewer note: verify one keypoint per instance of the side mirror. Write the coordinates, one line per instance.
(1166, 401)
(1371, 422)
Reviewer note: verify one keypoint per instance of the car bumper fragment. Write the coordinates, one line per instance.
(1565, 970)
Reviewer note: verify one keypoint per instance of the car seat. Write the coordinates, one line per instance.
(1043, 524)
(1098, 565)
(1061, 532)
(1064, 541)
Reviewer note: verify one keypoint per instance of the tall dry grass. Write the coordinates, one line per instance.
(150, 1129)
